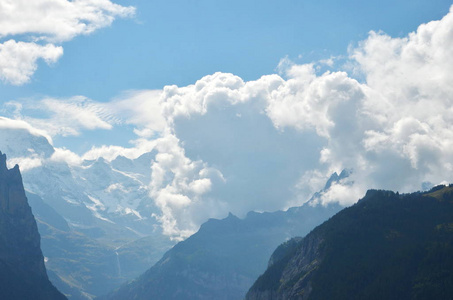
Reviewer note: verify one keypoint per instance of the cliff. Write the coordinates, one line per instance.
(22, 271)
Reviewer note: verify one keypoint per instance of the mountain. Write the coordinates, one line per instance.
(97, 212)
(224, 258)
(95, 219)
(386, 246)
(82, 267)
(22, 271)
(106, 200)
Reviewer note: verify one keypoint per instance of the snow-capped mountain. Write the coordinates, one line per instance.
(112, 196)
(105, 204)
(115, 188)
(108, 209)
(23, 143)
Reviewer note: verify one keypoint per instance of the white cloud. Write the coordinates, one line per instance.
(195, 99)
(142, 109)
(58, 20)
(344, 194)
(200, 186)
(178, 184)
(310, 182)
(52, 21)
(399, 131)
(77, 112)
(307, 101)
(6, 123)
(18, 60)
(65, 117)
(110, 152)
(395, 130)
(70, 116)
(67, 156)
(328, 62)
(25, 163)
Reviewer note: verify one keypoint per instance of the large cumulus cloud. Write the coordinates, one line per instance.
(223, 144)
(393, 129)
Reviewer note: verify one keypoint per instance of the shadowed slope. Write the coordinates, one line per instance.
(387, 246)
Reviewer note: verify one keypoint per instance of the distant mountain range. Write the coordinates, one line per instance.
(106, 200)
(387, 246)
(82, 267)
(97, 233)
(95, 236)
(224, 258)
(22, 271)
(94, 219)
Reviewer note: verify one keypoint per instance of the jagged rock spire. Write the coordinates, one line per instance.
(21, 261)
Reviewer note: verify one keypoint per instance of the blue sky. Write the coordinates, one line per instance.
(96, 77)
(178, 42)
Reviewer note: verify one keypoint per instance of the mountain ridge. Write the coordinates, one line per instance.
(386, 246)
(222, 260)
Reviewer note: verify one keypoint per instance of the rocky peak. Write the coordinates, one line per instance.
(21, 261)
(3, 162)
(12, 193)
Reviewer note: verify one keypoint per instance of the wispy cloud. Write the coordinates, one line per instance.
(63, 117)
(142, 109)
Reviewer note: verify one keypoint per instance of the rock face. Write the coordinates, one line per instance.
(387, 246)
(22, 271)
(224, 258)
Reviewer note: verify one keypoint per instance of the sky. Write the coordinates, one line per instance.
(151, 44)
(251, 105)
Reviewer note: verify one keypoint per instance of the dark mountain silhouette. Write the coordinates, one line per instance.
(22, 271)
(387, 246)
